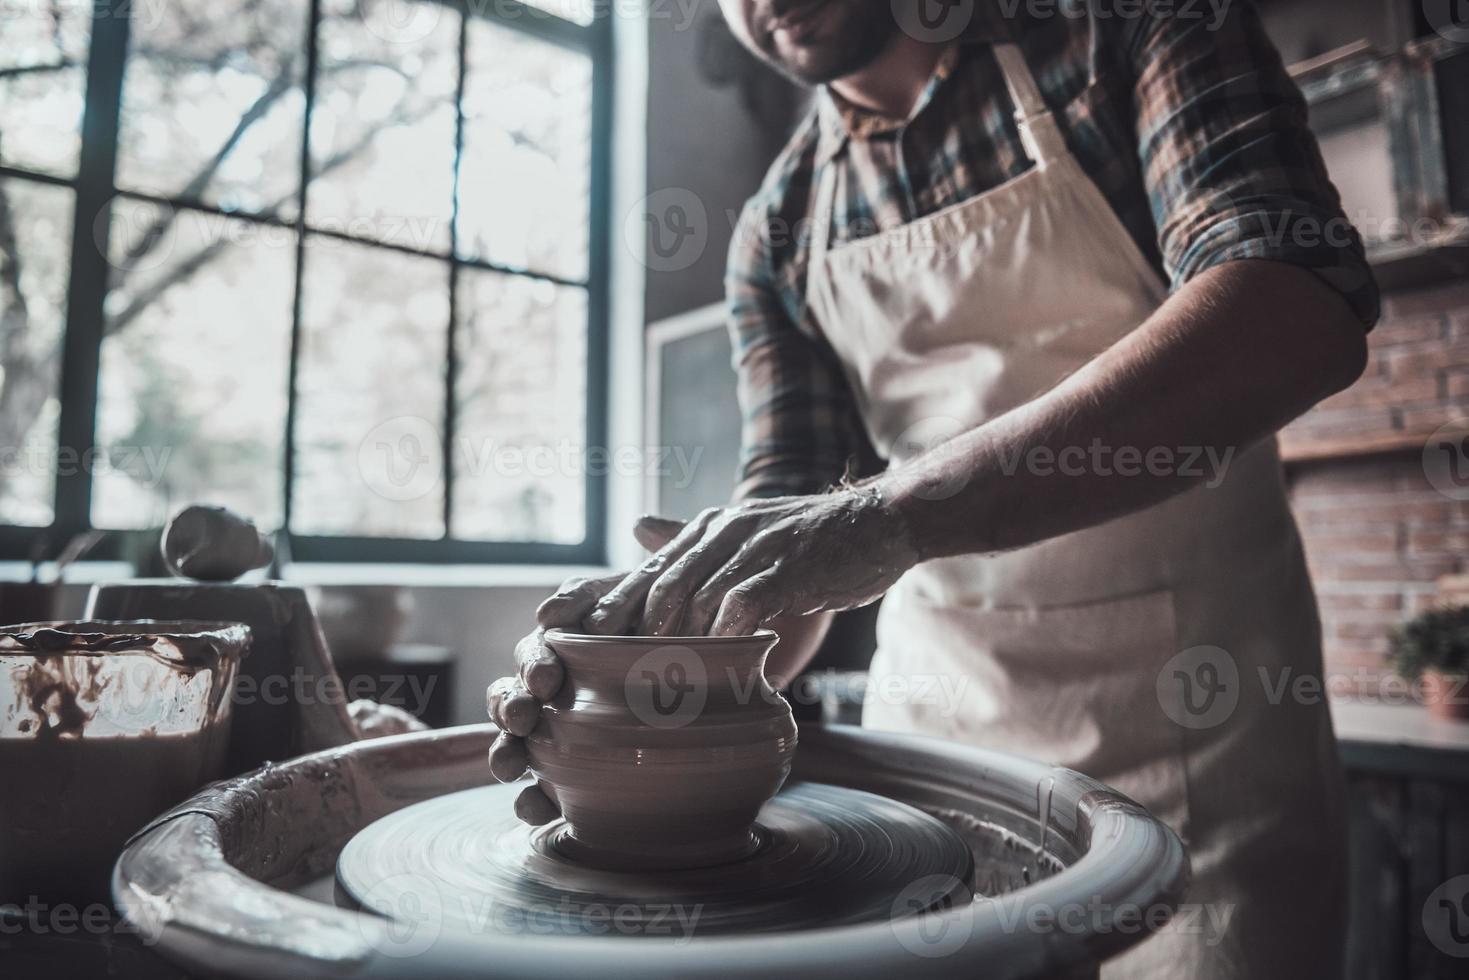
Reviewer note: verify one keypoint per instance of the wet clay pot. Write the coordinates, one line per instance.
(661, 750)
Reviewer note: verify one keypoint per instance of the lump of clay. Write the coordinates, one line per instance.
(213, 544)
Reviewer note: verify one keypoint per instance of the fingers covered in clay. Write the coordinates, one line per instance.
(756, 555)
(567, 606)
(748, 606)
(622, 606)
(654, 532)
(539, 670)
(512, 707)
(668, 600)
(535, 807)
(508, 758)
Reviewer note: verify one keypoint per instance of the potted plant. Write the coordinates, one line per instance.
(1434, 646)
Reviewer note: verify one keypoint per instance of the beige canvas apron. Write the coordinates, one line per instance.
(1163, 653)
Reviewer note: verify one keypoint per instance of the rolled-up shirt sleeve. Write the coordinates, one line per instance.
(1232, 169)
(800, 429)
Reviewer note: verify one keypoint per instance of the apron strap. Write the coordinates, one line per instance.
(825, 200)
(1038, 128)
(1039, 132)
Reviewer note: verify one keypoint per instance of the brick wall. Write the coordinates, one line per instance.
(1378, 534)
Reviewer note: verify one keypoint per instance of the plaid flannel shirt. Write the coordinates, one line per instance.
(1187, 122)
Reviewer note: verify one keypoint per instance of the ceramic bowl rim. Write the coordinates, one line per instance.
(556, 633)
(109, 636)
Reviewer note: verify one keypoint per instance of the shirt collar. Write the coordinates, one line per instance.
(840, 120)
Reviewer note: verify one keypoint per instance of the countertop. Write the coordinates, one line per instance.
(1401, 739)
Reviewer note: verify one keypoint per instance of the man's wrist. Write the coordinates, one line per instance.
(906, 514)
(938, 504)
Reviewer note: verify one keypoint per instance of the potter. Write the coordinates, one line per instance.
(1030, 235)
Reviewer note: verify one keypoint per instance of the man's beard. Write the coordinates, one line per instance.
(853, 37)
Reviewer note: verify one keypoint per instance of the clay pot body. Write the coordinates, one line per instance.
(1447, 696)
(661, 750)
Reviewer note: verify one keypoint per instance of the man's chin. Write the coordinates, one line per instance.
(846, 44)
(819, 65)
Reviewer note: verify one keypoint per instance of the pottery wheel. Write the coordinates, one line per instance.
(827, 856)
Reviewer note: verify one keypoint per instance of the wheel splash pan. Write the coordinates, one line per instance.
(211, 882)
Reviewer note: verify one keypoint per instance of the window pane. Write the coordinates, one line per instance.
(35, 249)
(212, 102)
(370, 393)
(382, 130)
(192, 394)
(520, 459)
(577, 11)
(43, 71)
(525, 181)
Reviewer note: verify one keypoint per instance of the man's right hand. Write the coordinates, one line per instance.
(515, 702)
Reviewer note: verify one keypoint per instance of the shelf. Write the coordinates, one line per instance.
(1444, 258)
(1300, 450)
(1401, 739)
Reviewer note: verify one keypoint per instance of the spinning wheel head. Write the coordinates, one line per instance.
(821, 856)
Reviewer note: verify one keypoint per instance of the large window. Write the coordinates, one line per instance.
(337, 264)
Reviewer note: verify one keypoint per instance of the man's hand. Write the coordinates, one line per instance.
(733, 569)
(515, 702)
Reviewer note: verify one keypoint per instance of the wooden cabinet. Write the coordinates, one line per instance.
(1408, 803)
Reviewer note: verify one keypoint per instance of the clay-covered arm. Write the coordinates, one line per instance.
(1227, 361)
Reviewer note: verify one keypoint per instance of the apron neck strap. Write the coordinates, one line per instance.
(1038, 129)
(1039, 132)
(825, 201)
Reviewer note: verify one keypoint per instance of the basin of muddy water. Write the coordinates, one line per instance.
(395, 857)
(102, 725)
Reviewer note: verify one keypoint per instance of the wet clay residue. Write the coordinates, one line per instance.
(101, 732)
(286, 644)
(63, 684)
(831, 856)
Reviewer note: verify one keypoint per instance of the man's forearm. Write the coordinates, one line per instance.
(1228, 360)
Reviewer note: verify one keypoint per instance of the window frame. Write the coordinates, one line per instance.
(95, 190)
